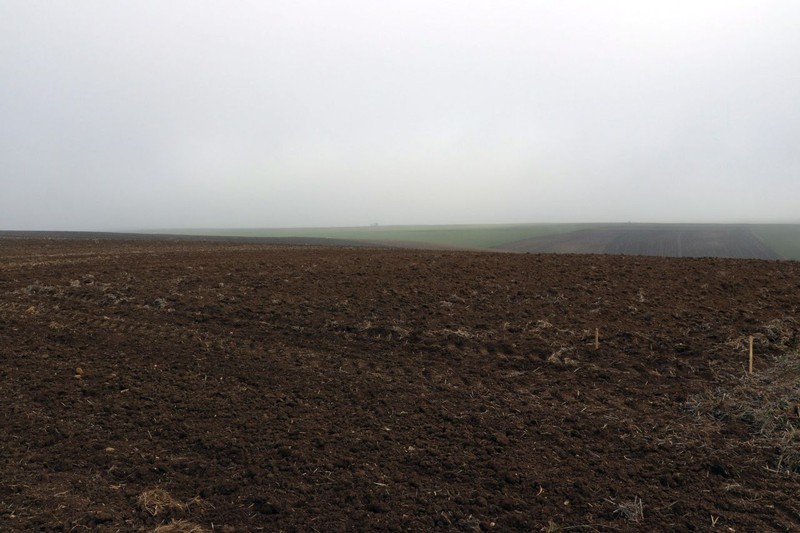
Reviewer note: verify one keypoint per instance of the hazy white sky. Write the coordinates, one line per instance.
(147, 114)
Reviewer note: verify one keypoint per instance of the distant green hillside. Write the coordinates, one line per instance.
(783, 239)
(466, 236)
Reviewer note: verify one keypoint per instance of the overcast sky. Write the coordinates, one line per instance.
(154, 114)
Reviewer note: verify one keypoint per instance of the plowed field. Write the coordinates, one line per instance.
(242, 387)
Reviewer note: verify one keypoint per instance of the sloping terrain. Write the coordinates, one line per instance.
(242, 387)
(663, 241)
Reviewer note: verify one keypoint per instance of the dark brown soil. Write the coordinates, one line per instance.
(244, 387)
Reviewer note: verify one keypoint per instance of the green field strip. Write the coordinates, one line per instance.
(467, 236)
(784, 239)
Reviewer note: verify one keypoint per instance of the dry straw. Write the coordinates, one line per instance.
(180, 526)
(157, 501)
(630, 510)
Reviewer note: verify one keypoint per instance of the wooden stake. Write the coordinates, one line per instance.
(596, 338)
(751, 354)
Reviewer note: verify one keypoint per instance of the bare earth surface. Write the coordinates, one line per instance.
(243, 387)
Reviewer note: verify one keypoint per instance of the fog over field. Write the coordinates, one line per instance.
(150, 114)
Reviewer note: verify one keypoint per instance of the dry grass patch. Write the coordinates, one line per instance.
(789, 455)
(159, 501)
(561, 356)
(767, 401)
(632, 510)
(180, 526)
(782, 332)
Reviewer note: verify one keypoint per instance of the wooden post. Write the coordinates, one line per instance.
(751, 354)
(596, 338)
